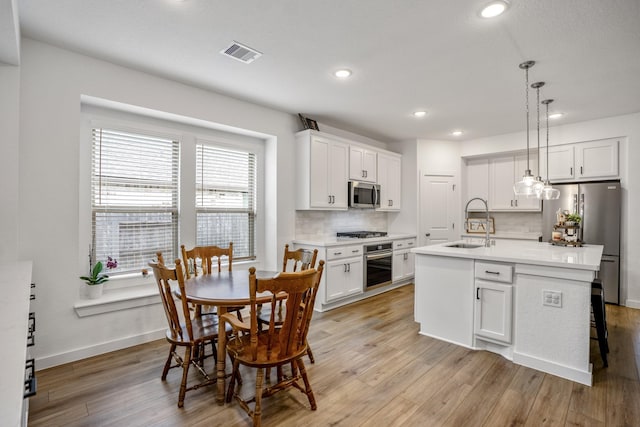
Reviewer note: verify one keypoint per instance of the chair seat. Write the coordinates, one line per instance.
(240, 349)
(204, 329)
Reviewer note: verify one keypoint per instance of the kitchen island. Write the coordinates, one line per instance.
(528, 301)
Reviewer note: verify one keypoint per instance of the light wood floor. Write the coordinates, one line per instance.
(372, 369)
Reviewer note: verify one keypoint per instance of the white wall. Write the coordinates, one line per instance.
(52, 82)
(622, 126)
(9, 135)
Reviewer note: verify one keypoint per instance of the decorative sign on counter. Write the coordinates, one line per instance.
(478, 225)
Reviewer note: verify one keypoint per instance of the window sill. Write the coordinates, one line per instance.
(118, 299)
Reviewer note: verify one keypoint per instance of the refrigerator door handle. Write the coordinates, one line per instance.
(575, 203)
(581, 212)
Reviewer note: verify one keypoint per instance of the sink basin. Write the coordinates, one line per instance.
(464, 245)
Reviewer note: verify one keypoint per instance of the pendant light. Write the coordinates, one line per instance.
(524, 187)
(548, 192)
(538, 184)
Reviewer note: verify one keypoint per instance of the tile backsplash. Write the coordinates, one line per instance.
(326, 224)
(514, 222)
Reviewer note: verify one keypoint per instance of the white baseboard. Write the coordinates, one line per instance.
(573, 374)
(95, 350)
(632, 303)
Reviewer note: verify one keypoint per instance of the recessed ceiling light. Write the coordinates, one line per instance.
(419, 113)
(457, 133)
(343, 73)
(493, 9)
(555, 115)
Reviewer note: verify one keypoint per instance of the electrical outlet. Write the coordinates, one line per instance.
(552, 298)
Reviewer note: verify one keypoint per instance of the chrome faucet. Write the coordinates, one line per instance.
(487, 226)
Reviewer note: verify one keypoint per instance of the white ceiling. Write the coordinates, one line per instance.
(436, 55)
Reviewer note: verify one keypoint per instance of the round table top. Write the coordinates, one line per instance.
(227, 288)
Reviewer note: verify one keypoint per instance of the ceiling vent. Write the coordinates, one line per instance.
(241, 52)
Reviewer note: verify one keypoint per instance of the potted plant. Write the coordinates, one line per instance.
(97, 277)
(572, 219)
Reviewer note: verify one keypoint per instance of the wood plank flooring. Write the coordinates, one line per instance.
(372, 369)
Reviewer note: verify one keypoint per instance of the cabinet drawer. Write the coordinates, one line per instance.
(404, 244)
(494, 272)
(343, 252)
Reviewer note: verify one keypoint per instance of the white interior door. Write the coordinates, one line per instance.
(437, 209)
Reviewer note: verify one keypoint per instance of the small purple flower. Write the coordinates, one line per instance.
(112, 263)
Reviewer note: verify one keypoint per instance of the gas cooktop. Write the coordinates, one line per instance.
(360, 234)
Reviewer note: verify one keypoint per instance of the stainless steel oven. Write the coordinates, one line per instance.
(378, 262)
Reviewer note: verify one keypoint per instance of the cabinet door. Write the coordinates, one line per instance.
(409, 265)
(501, 180)
(344, 277)
(338, 168)
(493, 311)
(561, 159)
(477, 182)
(319, 182)
(389, 178)
(362, 164)
(398, 265)
(523, 203)
(597, 159)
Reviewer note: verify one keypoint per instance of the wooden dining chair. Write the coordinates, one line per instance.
(200, 260)
(184, 331)
(300, 259)
(277, 346)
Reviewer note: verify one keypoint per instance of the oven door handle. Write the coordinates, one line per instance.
(380, 256)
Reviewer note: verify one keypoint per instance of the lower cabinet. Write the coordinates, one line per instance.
(493, 312)
(403, 265)
(344, 277)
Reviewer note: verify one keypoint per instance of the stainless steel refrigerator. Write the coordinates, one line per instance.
(598, 204)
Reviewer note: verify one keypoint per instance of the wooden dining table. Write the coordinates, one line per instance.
(222, 290)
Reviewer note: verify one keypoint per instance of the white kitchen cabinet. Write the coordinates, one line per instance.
(476, 182)
(362, 164)
(503, 173)
(344, 277)
(389, 178)
(403, 260)
(584, 160)
(493, 311)
(322, 173)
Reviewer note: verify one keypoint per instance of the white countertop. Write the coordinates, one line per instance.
(523, 252)
(329, 241)
(15, 287)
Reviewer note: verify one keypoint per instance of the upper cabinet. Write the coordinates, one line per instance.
(477, 182)
(503, 173)
(389, 178)
(582, 161)
(322, 171)
(362, 164)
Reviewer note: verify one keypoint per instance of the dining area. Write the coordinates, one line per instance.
(257, 319)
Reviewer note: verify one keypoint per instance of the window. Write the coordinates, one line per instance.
(226, 199)
(134, 197)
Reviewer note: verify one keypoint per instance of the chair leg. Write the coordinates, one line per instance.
(310, 354)
(307, 385)
(232, 381)
(185, 371)
(167, 364)
(257, 411)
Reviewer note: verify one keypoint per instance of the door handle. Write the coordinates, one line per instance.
(581, 170)
(478, 293)
(427, 234)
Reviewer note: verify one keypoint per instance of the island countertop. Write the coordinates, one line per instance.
(586, 257)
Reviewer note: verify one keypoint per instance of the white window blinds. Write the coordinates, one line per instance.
(226, 199)
(134, 193)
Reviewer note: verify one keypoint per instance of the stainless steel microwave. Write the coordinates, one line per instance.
(364, 195)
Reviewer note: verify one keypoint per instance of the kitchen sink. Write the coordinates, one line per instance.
(464, 245)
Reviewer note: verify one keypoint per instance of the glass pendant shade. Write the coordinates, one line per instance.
(524, 187)
(549, 193)
(538, 186)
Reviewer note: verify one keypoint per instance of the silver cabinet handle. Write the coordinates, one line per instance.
(355, 251)
(492, 272)
(571, 171)
(511, 203)
(348, 268)
(337, 253)
(399, 245)
(406, 257)
(345, 268)
(581, 170)
(516, 203)
(427, 234)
